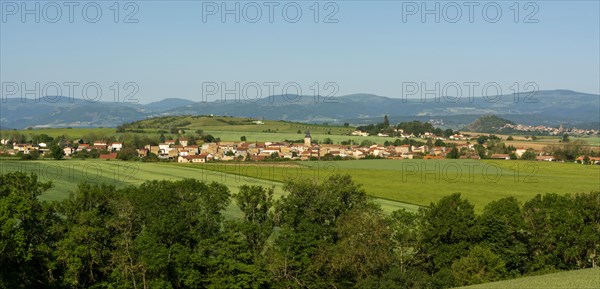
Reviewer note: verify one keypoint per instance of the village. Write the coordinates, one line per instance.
(551, 130)
(182, 150)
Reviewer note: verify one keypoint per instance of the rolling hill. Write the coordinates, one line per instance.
(550, 108)
(487, 123)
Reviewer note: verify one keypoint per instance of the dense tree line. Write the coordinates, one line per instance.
(411, 127)
(173, 234)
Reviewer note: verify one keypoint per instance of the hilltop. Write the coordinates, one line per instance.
(228, 123)
(488, 123)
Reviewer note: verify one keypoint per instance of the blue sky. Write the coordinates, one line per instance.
(170, 52)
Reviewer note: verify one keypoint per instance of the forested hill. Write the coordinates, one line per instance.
(488, 123)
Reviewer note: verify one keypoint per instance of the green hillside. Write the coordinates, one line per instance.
(421, 182)
(487, 123)
(236, 124)
(580, 279)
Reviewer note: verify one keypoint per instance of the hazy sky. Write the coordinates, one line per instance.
(372, 48)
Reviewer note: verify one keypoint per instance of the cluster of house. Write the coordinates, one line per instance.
(552, 130)
(183, 152)
(402, 134)
(101, 146)
(258, 151)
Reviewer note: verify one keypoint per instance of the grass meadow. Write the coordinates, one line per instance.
(65, 175)
(579, 279)
(420, 182)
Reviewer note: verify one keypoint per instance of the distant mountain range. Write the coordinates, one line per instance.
(550, 108)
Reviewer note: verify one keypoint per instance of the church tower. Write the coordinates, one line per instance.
(307, 139)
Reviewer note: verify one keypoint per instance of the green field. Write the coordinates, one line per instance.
(421, 182)
(580, 279)
(237, 124)
(396, 183)
(66, 174)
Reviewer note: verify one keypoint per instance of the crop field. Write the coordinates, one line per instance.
(579, 279)
(421, 182)
(67, 174)
(236, 124)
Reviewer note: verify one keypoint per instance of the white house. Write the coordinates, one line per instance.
(68, 151)
(163, 147)
(360, 133)
(116, 146)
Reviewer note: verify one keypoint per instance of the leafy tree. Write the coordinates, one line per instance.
(589, 236)
(85, 248)
(243, 138)
(308, 217)
(363, 249)
(256, 203)
(56, 152)
(366, 143)
(554, 224)
(529, 155)
(448, 228)
(32, 155)
(503, 231)
(209, 138)
(26, 233)
(128, 152)
(231, 263)
(396, 278)
(42, 138)
(169, 229)
(386, 121)
(405, 236)
(448, 132)
(479, 266)
(482, 139)
(454, 153)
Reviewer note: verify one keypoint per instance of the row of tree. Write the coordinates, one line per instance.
(173, 234)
